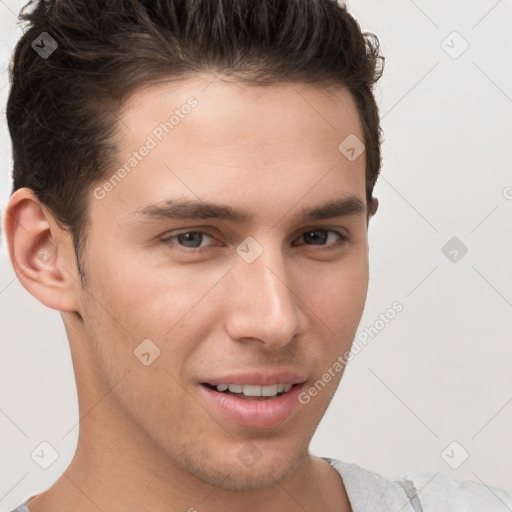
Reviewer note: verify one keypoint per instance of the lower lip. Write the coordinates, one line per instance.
(255, 414)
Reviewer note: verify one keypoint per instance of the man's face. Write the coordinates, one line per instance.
(231, 300)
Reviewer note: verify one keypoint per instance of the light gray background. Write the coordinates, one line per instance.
(440, 370)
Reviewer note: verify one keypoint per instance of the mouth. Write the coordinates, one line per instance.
(251, 392)
(252, 406)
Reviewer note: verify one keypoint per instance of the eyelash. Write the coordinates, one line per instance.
(168, 240)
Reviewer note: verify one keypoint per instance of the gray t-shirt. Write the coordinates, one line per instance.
(418, 492)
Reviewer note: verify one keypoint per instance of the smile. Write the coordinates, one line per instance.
(252, 390)
(251, 405)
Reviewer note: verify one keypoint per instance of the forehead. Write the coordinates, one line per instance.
(205, 137)
(246, 112)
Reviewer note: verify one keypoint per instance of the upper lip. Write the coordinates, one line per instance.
(258, 378)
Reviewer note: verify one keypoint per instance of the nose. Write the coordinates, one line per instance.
(263, 305)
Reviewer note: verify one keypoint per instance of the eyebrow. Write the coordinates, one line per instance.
(192, 209)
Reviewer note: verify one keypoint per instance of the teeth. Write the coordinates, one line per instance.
(254, 390)
(266, 390)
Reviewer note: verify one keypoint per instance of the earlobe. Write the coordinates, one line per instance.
(39, 250)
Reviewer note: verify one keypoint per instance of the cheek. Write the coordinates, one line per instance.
(334, 303)
(172, 307)
(143, 296)
(337, 293)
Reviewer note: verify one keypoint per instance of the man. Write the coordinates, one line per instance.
(193, 183)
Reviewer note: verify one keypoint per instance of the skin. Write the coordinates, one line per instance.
(147, 439)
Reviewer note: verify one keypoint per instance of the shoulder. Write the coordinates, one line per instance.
(418, 492)
(367, 490)
(22, 508)
(440, 492)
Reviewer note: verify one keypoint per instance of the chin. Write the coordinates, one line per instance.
(257, 477)
(239, 476)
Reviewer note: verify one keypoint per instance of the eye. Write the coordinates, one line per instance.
(321, 236)
(188, 240)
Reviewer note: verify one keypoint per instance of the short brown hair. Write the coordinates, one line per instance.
(61, 110)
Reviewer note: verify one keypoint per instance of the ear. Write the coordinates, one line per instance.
(41, 252)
